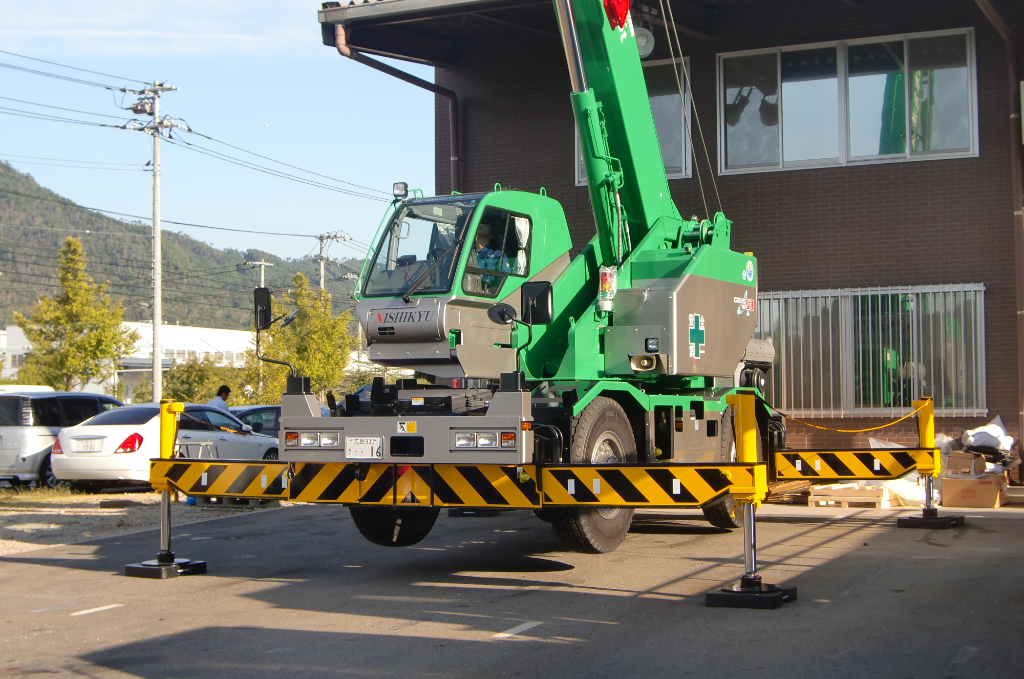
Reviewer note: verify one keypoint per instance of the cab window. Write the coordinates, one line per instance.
(500, 248)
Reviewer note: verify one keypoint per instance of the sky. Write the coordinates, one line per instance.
(253, 74)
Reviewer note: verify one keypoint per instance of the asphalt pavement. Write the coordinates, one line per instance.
(297, 591)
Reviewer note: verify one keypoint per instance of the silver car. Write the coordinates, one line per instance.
(29, 423)
(115, 448)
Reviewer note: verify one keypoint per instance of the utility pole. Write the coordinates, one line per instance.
(322, 257)
(149, 103)
(262, 265)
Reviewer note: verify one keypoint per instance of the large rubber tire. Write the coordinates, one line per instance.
(724, 513)
(270, 454)
(390, 527)
(600, 435)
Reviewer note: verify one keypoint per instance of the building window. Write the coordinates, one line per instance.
(860, 352)
(898, 98)
(671, 118)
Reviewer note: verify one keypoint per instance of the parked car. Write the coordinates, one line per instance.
(29, 422)
(114, 448)
(265, 419)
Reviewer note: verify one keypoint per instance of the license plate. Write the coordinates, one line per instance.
(87, 446)
(364, 448)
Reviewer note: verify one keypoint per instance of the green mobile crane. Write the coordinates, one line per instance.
(625, 354)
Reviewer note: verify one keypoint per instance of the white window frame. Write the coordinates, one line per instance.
(581, 174)
(844, 112)
(793, 370)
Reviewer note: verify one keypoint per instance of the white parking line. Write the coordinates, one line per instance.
(97, 610)
(516, 630)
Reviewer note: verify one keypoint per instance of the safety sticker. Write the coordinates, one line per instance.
(406, 427)
(743, 303)
(748, 272)
(696, 336)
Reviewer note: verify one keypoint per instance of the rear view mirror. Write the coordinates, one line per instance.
(246, 429)
(291, 317)
(501, 313)
(536, 303)
(261, 302)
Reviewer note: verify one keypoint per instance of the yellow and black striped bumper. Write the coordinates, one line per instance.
(825, 466)
(526, 486)
(455, 485)
(265, 480)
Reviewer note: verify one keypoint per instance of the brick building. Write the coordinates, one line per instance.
(867, 151)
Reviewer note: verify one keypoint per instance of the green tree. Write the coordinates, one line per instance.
(76, 336)
(194, 381)
(317, 344)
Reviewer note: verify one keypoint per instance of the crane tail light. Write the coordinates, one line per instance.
(617, 11)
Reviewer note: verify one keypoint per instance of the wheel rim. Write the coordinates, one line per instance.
(49, 478)
(607, 450)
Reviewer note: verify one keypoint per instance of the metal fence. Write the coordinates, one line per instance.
(860, 352)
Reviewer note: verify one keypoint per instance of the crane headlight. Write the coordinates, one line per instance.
(401, 189)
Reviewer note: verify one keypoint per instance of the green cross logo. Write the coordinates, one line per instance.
(696, 336)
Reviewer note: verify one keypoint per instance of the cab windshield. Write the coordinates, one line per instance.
(421, 241)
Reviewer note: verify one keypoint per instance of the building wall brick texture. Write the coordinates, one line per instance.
(911, 223)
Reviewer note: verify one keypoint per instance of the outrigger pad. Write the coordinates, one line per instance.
(931, 522)
(750, 593)
(158, 570)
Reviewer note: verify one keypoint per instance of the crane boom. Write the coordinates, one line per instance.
(617, 134)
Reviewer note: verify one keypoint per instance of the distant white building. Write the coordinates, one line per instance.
(178, 343)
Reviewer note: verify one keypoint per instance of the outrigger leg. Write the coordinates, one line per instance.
(750, 592)
(165, 565)
(929, 514)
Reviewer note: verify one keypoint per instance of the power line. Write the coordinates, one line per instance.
(67, 160)
(61, 108)
(53, 119)
(59, 77)
(88, 231)
(134, 296)
(74, 68)
(168, 221)
(265, 170)
(294, 167)
(128, 286)
(180, 276)
(75, 167)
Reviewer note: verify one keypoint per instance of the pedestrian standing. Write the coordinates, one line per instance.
(221, 400)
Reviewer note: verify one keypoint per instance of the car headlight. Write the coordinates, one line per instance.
(487, 439)
(330, 439)
(309, 439)
(465, 440)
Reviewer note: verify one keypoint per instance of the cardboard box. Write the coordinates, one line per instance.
(965, 464)
(987, 492)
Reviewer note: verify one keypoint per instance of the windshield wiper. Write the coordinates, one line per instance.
(423, 276)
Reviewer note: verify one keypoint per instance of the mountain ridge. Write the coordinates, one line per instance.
(203, 286)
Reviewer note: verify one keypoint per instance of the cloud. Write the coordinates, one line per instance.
(183, 27)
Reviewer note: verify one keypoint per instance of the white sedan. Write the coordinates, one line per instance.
(116, 446)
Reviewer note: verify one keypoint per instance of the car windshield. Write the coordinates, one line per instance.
(420, 241)
(125, 415)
